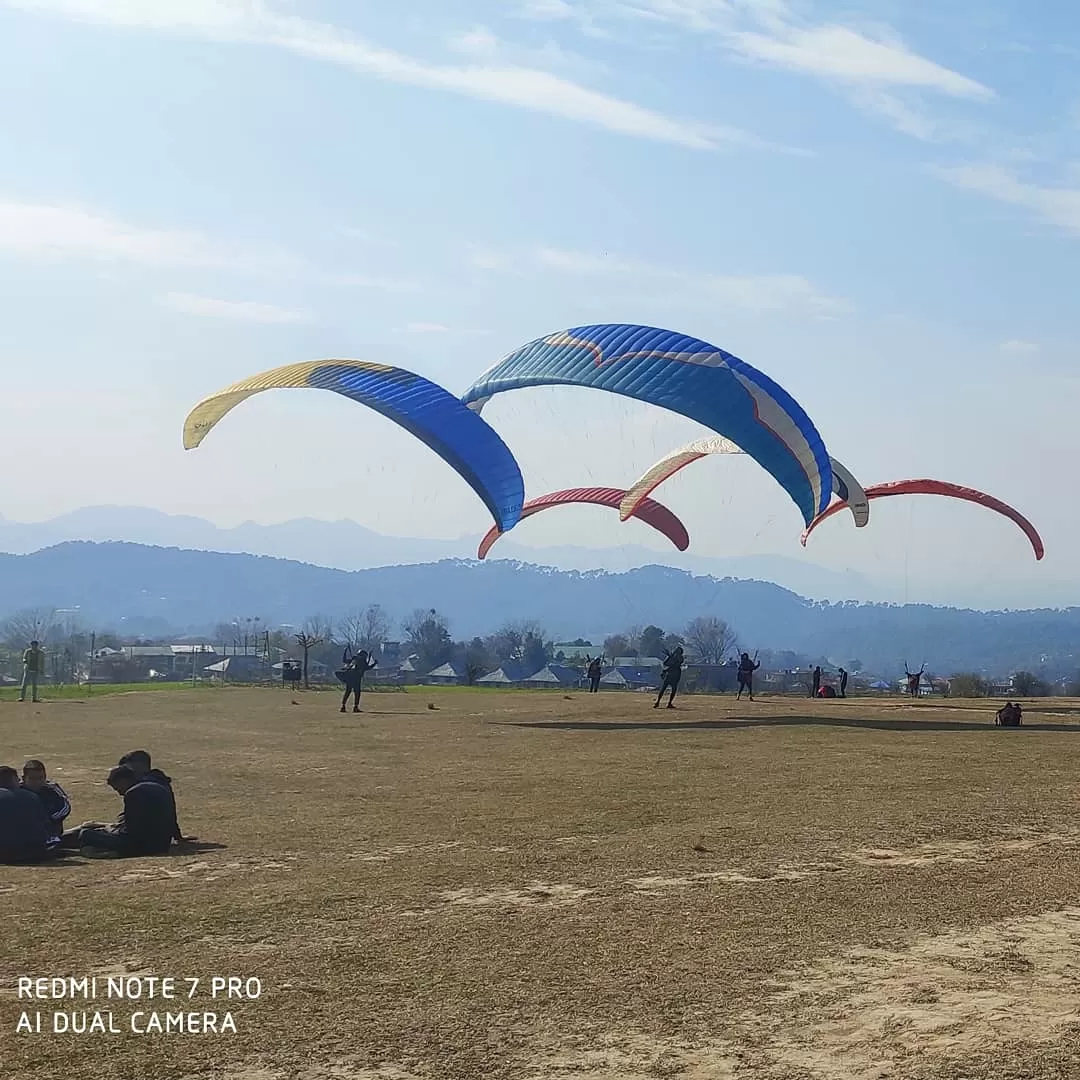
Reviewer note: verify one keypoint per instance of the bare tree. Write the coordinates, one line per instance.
(1026, 684)
(709, 639)
(376, 627)
(366, 629)
(30, 624)
(968, 684)
(506, 642)
(619, 645)
(509, 641)
(479, 660)
(428, 637)
(315, 632)
(321, 626)
(350, 629)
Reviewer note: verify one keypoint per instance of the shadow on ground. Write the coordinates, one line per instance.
(196, 847)
(782, 721)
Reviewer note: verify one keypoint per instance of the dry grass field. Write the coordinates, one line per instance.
(508, 886)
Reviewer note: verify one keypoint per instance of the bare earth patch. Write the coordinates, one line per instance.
(200, 870)
(965, 851)
(633, 1057)
(399, 850)
(508, 887)
(946, 996)
(326, 1070)
(535, 893)
(658, 883)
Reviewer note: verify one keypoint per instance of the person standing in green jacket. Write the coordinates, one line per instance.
(33, 663)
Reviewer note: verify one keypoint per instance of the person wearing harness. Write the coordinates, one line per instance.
(913, 680)
(745, 675)
(671, 673)
(594, 671)
(355, 668)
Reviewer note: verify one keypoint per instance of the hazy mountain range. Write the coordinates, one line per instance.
(117, 585)
(346, 545)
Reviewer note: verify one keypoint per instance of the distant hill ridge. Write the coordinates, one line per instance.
(348, 545)
(181, 589)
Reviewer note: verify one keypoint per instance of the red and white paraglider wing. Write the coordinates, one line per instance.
(944, 488)
(652, 513)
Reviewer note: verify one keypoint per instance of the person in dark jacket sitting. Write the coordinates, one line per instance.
(1009, 715)
(144, 828)
(24, 824)
(139, 762)
(51, 794)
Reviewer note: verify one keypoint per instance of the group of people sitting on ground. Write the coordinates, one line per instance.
(33, 811)
(1009, 715)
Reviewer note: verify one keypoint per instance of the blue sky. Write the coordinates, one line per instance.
(876, 203)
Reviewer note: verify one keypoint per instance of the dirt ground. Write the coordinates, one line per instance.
(546, 886)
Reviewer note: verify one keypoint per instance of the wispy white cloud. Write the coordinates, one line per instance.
(907, 120)
(437, 329)
(547, 9)
(368, 237)
(76, 234)
(845, 55)
(73, 232)
(1019, 348)
(764, 294)
(379, 282)
(484, 258)
(579, 262)
(1059, 206)
(479, 41)
(242, 310)
(864, 62)
(259, 22)
(755, 294)
(426, 328)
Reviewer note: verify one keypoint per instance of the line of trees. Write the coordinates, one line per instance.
(65, 640)
(425, 635)
(1025, 684)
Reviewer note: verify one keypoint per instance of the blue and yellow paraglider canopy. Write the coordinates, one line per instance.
(462, 439)
(687, 376)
